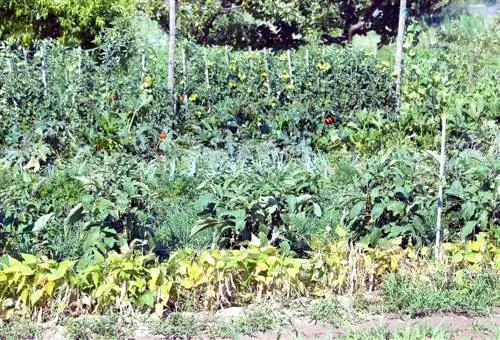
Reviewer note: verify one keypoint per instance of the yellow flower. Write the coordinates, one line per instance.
(193, 97)
(324, 67)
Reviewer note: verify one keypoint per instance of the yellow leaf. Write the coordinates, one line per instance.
(35, 296)
(340, 232)
(474, 257)
(24, 295)
(29, 259)
(425, 251)
(292, 272)
(49, 287)
(188, 283)
(474, 246)
(159, 309)
(394, 262)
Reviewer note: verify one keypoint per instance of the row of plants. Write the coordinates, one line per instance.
(248, 95)
(210, 199)
(210, 279)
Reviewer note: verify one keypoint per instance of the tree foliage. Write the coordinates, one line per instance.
(285, 23)
(71, 21)
(239, 23)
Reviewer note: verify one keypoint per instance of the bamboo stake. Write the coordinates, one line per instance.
(437, 252)
(399, 51)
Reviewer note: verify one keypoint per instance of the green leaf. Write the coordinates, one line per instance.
(456, 189)
(146, 299)
(201, 225)
(75, 214)
(377, 210)
(204, 200)
(356, 210)
(35, 296)
(104, 204)
(317, 210)
(467, 229)
(42, 222)
(468, 210)
(396, 207)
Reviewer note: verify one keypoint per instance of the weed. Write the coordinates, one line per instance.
(19, 329)
(109, 327)
(328, 310)
(177, 324)
(255, 320)
(474, 294)
(410, 333)
(486, 327)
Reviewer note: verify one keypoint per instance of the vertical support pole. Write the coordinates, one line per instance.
(185, 77)
(266, 66)
(207, 75)
(79, 61)
(290, 71)
(399, 51)
(9, 65)
(307, 59)
(44, 67)
(143, 66)
(171, 48)
(442, 160)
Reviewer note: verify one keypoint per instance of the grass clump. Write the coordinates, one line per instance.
(471, 293)
(108, 327)
(19, 329)
(256, 320)
(417, 332)
(328, 310)
(176, 325)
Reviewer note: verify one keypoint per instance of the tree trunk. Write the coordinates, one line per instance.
(171, 45)
(399, 51)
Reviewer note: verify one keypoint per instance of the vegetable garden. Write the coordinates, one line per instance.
(271, 173)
